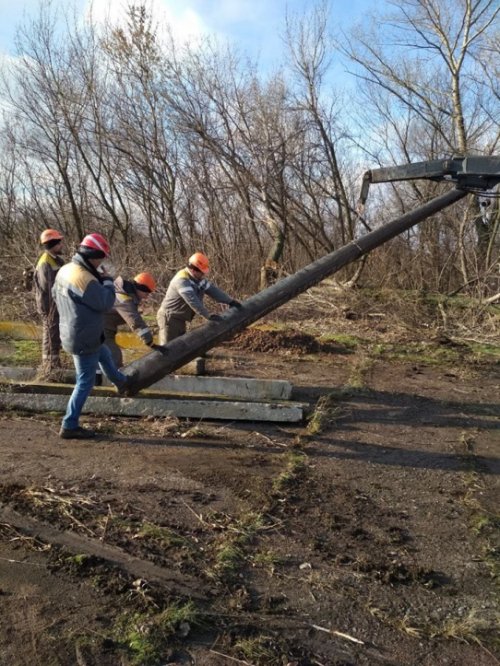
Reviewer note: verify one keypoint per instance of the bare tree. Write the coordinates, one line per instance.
(426, 62)
(141, 131)
(311, 53)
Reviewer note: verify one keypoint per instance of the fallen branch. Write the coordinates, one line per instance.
(33, 564)
(338, 633)
(198, 516)
(492, 299)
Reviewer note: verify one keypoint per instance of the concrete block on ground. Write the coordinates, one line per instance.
(239, 388)
(291, 412)
(232, 387)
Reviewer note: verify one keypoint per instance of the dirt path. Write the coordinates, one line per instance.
(368, 537)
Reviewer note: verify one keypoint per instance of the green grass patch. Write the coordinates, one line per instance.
(261, 651)
(325, 414)
(230, 551)
(163, 535)
(360, 369)
(78, 560)
(482, 522)
(271, 326)
(348, 341)
(267, 559)
(296, 468)
(482, 351)
(146, 637)
(229, 558)
(420, 352)
(20, 352)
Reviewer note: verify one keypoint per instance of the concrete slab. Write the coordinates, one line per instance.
(232, 387)
(291, 412)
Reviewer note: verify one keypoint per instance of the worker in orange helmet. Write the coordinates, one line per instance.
(49, 262)
(129, 295)
(184, 298)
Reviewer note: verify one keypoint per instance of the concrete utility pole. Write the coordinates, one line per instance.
(156, 365)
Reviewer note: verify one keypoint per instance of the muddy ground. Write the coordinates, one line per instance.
(367, 535)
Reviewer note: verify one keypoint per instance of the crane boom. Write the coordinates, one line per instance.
(473, 172)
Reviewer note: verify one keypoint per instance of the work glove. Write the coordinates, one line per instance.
(147, 337)
(235, 304)
(215, 317)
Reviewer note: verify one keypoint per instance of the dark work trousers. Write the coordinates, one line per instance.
(116, 352)
(51, 340)
(170, 327)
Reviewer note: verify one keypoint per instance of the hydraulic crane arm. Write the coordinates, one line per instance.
(468, 173)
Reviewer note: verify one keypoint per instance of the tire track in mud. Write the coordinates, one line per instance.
(179, 585)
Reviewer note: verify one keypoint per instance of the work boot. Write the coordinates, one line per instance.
(127, 386)
(76, 433)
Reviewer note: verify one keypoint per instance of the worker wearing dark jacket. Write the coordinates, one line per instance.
(83, 295)
(49, 262)
(184, 298)
(129, 294)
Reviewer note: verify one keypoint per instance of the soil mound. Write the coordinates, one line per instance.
(255, 340)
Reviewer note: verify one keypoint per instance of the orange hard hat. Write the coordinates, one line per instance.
(50, 235)
(200, 261)
(96, 242)
(145, 280)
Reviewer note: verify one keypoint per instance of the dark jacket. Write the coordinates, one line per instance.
(184, 297)
(43, 281)
(125, 310)
(82, 297)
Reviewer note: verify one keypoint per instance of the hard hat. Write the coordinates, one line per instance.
(145, 280)
(50, 235)
(200, 261)
(96, 242)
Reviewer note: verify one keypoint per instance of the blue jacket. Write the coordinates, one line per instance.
(82, 297)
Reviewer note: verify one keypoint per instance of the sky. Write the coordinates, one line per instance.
(255, 26)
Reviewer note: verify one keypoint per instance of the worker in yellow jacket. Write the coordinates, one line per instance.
(49, 263)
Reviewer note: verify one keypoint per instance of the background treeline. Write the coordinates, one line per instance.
(168, 148)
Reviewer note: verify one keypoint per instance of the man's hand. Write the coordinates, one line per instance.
(160, 348)
(235, 304)
(215, 317)
(147, 337)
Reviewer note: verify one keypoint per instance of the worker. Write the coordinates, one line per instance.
(49, 262)
(184, 298)
(129, 294)
(83, 294)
